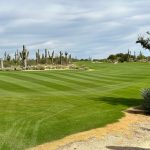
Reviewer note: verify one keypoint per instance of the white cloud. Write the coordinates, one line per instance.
(95, 28)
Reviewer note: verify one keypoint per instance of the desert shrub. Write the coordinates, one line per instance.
(58, 67)
(40, 67)
(17, 69)
(146, 101)
(73, 67)
(8, 69)
(33, 68)
(82, 67)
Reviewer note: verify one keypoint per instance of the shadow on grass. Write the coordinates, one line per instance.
(126, 148)
(134, 106)
(129, 102)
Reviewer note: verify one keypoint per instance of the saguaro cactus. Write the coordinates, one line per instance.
(52, 57)
(37, 56)
(66, 59)
(17, 57)
(70, 58)
(46, 56)
(134, 55)
(60, 57)
(2, 65)
(5, 55)
(24, 56)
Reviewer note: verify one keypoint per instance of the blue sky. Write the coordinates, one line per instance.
(85, 28)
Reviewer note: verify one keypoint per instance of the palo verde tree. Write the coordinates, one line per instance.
(24, 56)
(145, 42)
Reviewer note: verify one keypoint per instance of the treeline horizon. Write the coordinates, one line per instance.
(48, 57)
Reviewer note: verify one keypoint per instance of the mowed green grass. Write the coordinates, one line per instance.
(39, 107)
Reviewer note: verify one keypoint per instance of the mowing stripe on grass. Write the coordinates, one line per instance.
(38, 107)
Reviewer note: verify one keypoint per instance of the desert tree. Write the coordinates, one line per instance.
(112, 58)
(24, 56)
(144, 41)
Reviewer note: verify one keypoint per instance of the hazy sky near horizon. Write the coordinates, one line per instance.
(85, 28)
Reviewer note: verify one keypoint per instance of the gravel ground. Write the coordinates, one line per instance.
(131, 133)
(135, 137)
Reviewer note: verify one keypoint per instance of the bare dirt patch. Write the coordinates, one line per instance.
(132, 132)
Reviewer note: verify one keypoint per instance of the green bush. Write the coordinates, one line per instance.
(146, 101)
